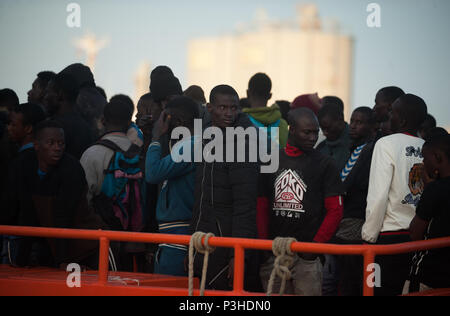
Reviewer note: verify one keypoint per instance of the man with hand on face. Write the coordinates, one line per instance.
(176, 199)
(225, 192)
(306, 203)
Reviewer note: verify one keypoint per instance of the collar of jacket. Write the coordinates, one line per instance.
(266, 116)
(342, 140)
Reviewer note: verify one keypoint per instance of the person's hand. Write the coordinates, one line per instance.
(145, 122)
(161, 126)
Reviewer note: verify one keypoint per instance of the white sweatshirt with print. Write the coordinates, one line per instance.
(394, 186)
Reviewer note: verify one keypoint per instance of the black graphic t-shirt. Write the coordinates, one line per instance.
(434, 207)
(298, 191)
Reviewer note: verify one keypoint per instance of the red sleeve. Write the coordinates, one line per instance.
(335, 210)
(262, 217)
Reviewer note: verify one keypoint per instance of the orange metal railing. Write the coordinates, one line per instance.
(105, 237)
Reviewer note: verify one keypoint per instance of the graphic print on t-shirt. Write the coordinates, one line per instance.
(289, 193)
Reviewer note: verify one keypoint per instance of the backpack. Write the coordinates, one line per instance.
(121, 203)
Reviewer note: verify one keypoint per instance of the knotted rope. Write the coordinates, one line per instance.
(196, 242)
(281, 248)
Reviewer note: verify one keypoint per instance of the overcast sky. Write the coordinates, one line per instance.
(410, 49)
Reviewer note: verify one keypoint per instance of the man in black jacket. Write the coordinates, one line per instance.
(226, 192)
(48, 189)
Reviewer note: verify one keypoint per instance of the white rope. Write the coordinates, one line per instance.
(196, 242)
(281, 248)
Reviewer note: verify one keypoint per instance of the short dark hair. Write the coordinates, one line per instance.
(260, 86)
(414, 110)
(117, 113)
(333, 110)
(244, 104)
(441, 142)
(8, 98)
(67, 85)
(430, 122)
(435, 133)
(185, 109)
(45, 77)
(161, 71)
(101, 91)
(196, 93)
(295, 114)
(222, 89)
(37, 131)
(368, 113)
(125, 100)
(391, 94)
(147, 96)
(32, 113)
(165, 85)
(285, 107)
(334, 101)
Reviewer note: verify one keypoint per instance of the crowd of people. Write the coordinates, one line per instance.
(76, 159)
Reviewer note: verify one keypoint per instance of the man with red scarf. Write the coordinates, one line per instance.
(306, 203)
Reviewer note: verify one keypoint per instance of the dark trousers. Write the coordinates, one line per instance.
(394, 269)
(350, 272)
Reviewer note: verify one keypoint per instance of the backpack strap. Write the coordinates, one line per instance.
(109, 144)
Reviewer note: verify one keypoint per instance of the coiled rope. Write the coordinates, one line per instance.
(281, 248)
(196, 242)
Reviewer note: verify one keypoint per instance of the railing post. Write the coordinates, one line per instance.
(103, 261)
(369, 258)
(239, 262)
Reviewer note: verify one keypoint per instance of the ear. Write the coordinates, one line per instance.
(439, 157)
(209, 107)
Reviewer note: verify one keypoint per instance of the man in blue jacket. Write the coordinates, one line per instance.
(176, 199)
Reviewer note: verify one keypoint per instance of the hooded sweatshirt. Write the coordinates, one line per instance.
(269, 117)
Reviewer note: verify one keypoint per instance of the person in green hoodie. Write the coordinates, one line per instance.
(262, 116)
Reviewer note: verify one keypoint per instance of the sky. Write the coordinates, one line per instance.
(409, 50)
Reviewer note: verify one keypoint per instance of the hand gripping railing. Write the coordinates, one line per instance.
(239, 245)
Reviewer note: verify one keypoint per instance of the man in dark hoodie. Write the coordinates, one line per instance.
(49, 189)
(90, 101)
(336, 130)
(225, 193)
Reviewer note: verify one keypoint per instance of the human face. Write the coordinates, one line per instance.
(36, 94)
(360, 128)
(382, 108)
(51, 99)
(148, 112)
(50, 147)
(17, 132)
(332, 128)
(224, 110)
(305, 133)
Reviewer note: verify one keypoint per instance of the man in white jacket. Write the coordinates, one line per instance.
(395, 188)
